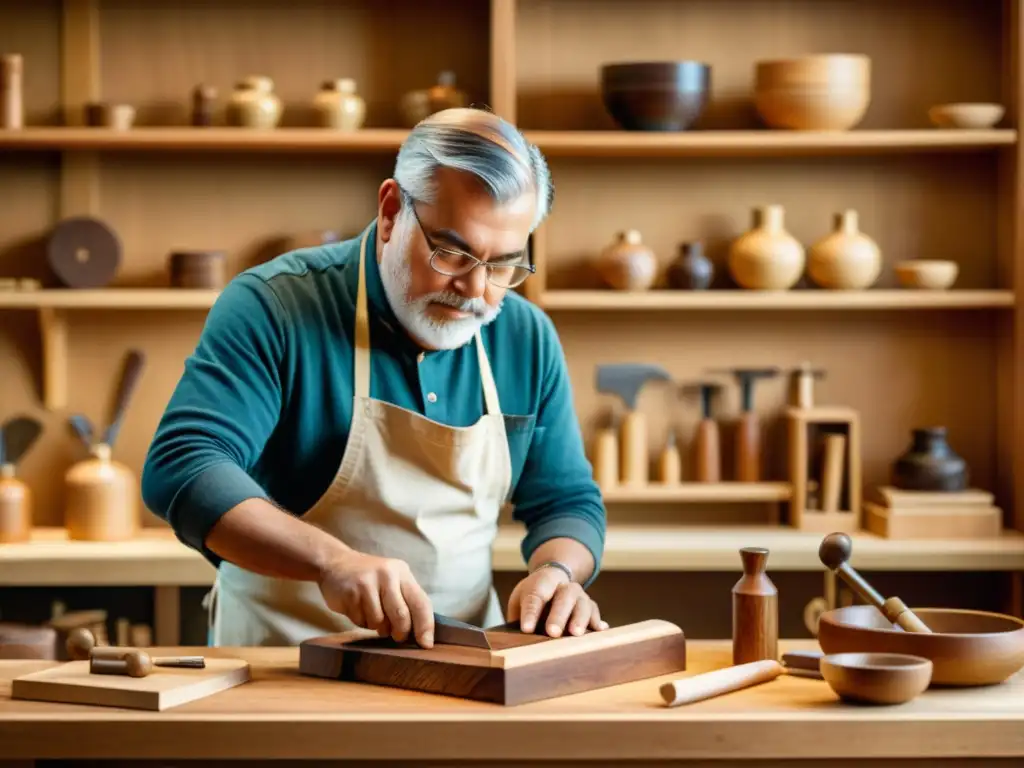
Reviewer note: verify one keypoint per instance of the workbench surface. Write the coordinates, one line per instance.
(280, 714)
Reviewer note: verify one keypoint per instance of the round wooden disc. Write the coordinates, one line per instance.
(84, 252)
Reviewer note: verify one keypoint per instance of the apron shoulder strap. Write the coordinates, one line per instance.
(487, 378)
(361, 360)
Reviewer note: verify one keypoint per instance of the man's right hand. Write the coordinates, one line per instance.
(378, 593)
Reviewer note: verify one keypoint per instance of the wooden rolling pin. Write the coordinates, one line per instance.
(688, 690)
(834, 553)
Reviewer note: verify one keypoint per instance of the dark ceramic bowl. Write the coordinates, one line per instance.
(655, 95)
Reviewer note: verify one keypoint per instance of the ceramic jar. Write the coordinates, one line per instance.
(627, 264)
(253, 104)
(929, 464)
(417, 105)
(338, 106)
(846, 258)
(767, 258)
(692, 270)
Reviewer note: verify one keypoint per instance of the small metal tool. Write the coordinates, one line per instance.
(449, 631)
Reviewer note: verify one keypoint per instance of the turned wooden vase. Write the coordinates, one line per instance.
(755, 610)
(254, 104)
(627, 264)
(846, 258)
(767, 258)
(338, 106)
(15, 507)
(100, 499)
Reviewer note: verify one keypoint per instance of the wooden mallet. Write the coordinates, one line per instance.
(834, 553)
(114, 660)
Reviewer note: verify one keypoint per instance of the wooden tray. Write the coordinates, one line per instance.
(519, 668)
(165, 687)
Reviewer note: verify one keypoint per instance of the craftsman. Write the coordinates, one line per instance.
(355, 416)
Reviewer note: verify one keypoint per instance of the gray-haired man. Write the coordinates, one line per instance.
(355, 416)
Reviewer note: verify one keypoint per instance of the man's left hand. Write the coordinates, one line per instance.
(570, 607)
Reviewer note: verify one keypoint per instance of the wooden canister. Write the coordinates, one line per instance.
(12, 107)
(196, 269)
(100, 498)
(24, 641)
(15, 507)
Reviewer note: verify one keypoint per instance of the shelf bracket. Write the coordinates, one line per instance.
(53, 330)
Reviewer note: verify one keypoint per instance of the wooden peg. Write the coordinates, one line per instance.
(834, 552)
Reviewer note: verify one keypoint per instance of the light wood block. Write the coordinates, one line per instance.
(968, 522)
(806, 426)
(897, 498)
(519, 667)
(72, 683)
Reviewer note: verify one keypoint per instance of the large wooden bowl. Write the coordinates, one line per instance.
(655, 95)
(967, 648)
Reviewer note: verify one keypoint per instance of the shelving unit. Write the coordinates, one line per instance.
(900, 358)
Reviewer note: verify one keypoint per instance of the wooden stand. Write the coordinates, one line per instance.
(894, 513)
(837, 430)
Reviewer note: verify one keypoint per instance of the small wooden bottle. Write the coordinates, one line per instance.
(12, 107)
(755, 610)
(670, 464)
(100, 499)
(15, 507)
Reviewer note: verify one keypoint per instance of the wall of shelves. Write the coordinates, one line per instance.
(901, 358)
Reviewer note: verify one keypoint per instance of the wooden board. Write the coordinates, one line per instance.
(519, 668)
(898, 498)
(166, 687)
(967, 522)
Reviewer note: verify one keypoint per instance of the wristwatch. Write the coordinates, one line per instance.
(555, 564)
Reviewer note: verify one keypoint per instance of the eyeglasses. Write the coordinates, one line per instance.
(509, 272)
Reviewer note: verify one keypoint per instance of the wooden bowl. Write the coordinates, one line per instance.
(966, 116)
(812, 108)
(876, 678)
(928, 274)
(841, 71)
(966, 648)
(655, 95)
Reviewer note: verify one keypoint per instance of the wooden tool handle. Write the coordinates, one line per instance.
(748, 448)
(705, 686)
(832, 472)
(896, 611)
(132, 664)
(633, 445)
(707, 453)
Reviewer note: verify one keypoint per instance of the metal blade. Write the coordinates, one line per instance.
(449, 631)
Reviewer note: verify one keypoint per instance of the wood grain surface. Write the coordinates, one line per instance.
(284, 715)
(524, 667)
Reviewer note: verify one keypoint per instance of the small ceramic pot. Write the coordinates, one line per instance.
(627, 264)
(845, 259)
(253, 104)
(929, 464)
(338, 106)
(767, 258)
(418, 105)
(692, 270)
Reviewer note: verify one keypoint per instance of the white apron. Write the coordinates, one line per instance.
(407, 487)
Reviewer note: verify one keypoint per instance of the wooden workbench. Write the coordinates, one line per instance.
(282, 715)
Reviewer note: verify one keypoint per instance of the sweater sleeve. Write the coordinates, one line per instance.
(557, 496)
(223, 410)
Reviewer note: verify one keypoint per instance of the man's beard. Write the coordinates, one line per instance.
(396, 275)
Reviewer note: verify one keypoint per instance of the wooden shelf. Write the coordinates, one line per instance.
(157, 558)
(53, 304)
(797, 299)
(699, 492)
(552, 143)
(763, 143)
(217, 138)
(109, 298)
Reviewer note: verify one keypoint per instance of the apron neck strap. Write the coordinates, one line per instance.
(362, 346)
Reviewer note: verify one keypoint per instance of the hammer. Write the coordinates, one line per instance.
(834, 553)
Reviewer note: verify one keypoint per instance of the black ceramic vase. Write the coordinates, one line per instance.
(929, 464)
(691, 270)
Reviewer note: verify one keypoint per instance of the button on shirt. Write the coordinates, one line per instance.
(264, 405)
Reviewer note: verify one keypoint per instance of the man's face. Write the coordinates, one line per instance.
(442, 311)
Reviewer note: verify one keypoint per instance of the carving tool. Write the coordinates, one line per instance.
(132, 662)
(834, 552)
(748, 426)
(626, 381)
(707, 461)
(449, 631)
